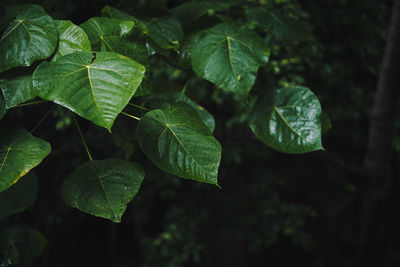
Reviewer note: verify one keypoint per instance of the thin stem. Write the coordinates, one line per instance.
(137, 106)
(42, 119)
(130, 116)
(31, 103)
(83, 139)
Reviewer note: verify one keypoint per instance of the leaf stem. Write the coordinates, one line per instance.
(31, 103)
(42, 119)
(83, 139)
(137, 106)
(130, 116)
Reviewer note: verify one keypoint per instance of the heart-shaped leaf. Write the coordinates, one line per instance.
(103, 188)
(20, 244)
(71, 38)
(19, 197)
(229, 57)
(178, 142)
(19, 153)
(17, 87)
(30, 36)
(97, 86)
(288, 120)
(156, 101)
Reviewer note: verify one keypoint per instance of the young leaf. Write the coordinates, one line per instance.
(31, 36)
(178, 142)
(103, 188)
(71, 38)
(19, 197)
(156, 101)
(96, 86)
(229, 57)
(19, 153)
(108, 34)
(288, 120)
(20, 244)
(17, 87)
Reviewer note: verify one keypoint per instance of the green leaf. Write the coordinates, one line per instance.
(19, 153)
(157, 101)
(108, 34)
(103, 188)
(229, 57)
(17, 87)
(288, 120)
(19, 197)
(191, 11)
(178, 142)
(71, 38)
(282, 27)
(165, 32)
(31, 36)
(20, 244)
(97, 86)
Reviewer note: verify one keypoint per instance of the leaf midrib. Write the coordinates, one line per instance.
(286, 122)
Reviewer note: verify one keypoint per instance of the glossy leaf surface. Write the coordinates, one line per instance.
(19, 197)
(178, 142)
(97, 86)
(71, 38)
(20, 244)
(156, 101)
(288, 120)
(19, 153)
(103, 187)
(30, 36)
(17, 87)
(229, 57)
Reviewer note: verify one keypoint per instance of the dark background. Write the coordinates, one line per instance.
(274, 209)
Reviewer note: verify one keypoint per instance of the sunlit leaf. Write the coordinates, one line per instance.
(103, 187)
(288, 120)
(97, 86)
